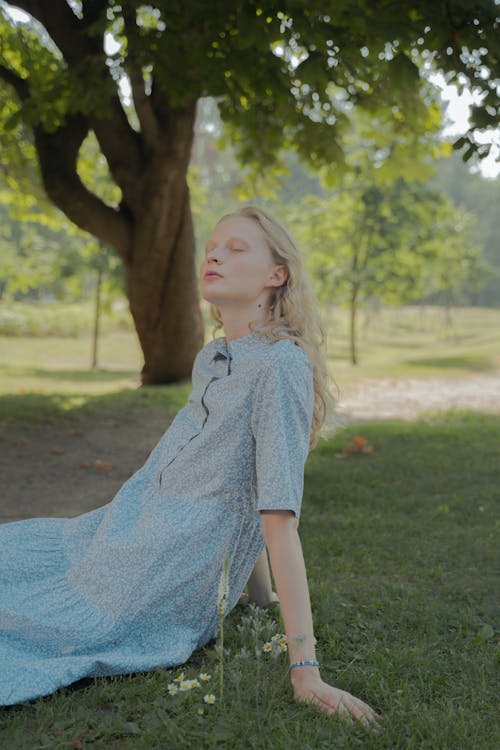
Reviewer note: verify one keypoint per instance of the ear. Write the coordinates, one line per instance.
(279, 275)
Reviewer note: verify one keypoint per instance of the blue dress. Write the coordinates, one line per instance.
(132, 586)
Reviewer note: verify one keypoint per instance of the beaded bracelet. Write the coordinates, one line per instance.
(305, 663)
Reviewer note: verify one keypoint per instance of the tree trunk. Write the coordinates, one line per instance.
(163, 283)
(151, 230)
(353, 311)
(161, 275)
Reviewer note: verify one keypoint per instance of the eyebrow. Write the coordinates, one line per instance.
(231, 239)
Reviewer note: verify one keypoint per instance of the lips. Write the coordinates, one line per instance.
(212, 273)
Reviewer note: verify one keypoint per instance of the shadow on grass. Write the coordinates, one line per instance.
(83, 376)
(41, 408)
(472, 363)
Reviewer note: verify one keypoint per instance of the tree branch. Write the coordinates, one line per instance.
(16, 81)
(58, 153)
(142, 102)
(144, 110)
(119, 143)
(64, 28)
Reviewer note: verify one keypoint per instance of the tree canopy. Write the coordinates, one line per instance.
(285, 74)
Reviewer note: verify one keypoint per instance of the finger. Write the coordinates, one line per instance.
(366, 715)
(355, 707)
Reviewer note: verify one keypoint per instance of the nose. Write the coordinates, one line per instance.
(213, 255)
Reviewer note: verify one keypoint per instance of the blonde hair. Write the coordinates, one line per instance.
(293, 313)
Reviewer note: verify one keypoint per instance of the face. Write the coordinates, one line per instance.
(237, 251)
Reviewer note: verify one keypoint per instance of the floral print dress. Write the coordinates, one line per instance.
(132, 586)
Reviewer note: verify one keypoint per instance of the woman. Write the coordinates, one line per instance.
(133, 585)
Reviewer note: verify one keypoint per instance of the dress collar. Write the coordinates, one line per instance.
(237, 347)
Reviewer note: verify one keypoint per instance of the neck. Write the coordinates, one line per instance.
(236, 323)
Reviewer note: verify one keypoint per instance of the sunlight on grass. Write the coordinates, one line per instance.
(393, 341)
(415, 342)
(55, 364)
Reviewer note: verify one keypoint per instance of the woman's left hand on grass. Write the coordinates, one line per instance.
(308, 687)
(246, 599)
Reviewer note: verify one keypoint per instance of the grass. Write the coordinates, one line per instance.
(409, 341)
(52, 374)
(400, 547)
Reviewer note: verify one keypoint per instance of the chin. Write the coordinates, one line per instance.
(208, 297)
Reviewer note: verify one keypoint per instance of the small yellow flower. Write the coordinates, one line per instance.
(200, 711)
(172, 689)
(283, 647)
(209, 698)
(267, 647)
(283, 639)
(180, 677)
(185, 685)
(276, 637)
(194, 683)
(205, 677)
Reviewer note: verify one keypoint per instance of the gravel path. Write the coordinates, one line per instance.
(407, 398)
(71, 468)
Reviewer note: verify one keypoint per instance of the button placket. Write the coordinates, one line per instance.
(202, 401)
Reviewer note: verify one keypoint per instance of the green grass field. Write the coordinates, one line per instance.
(401, 549)
(393, 342)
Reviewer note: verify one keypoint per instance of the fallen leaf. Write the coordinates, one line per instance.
(78, 744)
(57, 451)
(84, 466)
(358, 444)
(358, 441)
(103, 465)
(76, 433)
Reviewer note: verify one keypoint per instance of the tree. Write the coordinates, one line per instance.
(393, 243)
(479, 197)
(285, 75)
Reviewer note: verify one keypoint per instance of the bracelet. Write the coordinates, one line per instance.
(305, 663)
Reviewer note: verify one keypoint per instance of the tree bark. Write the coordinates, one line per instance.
(161, 276)
(163, 290)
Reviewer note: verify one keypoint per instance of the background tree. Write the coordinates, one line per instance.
(479, 198)
(383, 232)
(393, 243)
(284, 76)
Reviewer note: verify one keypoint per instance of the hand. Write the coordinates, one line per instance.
(308, 687)
(246, 599)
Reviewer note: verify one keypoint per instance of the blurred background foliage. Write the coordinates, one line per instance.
(342, 141)
(412, 228)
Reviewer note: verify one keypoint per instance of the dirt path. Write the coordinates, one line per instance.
(406, 398)
(71, 468)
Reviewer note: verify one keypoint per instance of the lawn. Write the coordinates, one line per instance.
(400, 547)
(405, 341)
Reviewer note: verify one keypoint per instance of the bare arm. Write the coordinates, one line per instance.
(279, 528)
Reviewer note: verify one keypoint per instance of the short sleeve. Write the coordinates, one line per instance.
(281, 423)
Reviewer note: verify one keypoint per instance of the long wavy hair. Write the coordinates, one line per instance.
(293, 313)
